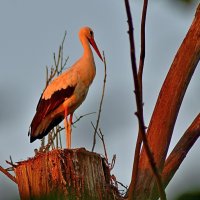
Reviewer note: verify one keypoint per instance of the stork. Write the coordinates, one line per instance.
(66, 92)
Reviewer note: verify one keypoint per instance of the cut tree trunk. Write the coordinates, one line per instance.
(65, 174)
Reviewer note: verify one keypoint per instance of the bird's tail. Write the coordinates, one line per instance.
(43, 128)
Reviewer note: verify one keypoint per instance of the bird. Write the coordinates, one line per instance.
(66, 92)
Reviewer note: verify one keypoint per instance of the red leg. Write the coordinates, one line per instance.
(66, 123)
(70, 129)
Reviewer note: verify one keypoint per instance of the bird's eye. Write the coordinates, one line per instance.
(91, 33)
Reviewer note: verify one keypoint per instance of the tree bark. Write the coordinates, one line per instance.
(167, 107)
(179, 153)
(65, 174)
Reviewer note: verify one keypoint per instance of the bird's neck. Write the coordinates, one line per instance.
(87, 53)
(88, 62)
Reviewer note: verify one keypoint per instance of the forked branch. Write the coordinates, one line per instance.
(167, 107)
(179, 152)
(139, 104)
(140, 75)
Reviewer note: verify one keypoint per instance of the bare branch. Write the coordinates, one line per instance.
(101, 136)
(55, 71)
(101, 102)
(167, 107)
(113, 162)
(181, 149)
(140, 74)
(11, 163)
(82, 117)
(179, 152)
(62, 47)
(10, 176)
(59, 135)
(139, 113)
(123, 192)
(142, 52)
(104, 145)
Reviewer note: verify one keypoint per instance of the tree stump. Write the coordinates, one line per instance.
(65, 174)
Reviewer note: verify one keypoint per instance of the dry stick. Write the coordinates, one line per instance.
(113, 162)
(11, 163)
(142, 52)
(78, 119)
(56, 137)
(56, 70)
(140, 74)
(140, 106)
(51, 139)
(60, 140)
(104, 145)
(122, 192)
(101, 136)
(10, 176)
(62, 47)
(101, 102)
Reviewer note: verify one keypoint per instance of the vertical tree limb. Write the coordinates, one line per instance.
(140, 75)
(139, 105)
(143, 43)
(167, 107)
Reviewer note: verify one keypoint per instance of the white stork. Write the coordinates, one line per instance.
(66, 92)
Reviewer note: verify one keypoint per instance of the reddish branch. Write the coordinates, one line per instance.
(139, 104)
(10, 176)
(167, 107)
(179, 152)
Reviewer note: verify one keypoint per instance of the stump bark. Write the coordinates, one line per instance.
(65, 174)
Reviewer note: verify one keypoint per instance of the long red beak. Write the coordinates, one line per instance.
(93, 43)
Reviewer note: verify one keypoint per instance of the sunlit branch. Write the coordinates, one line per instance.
(10, 176)
(139, 104)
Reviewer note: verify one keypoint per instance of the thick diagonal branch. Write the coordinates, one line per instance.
(167, 107)
(179, 152)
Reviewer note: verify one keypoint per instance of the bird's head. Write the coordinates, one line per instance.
(89, 34)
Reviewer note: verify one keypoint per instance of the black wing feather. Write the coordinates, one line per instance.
(45, 107)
